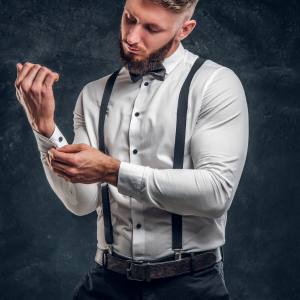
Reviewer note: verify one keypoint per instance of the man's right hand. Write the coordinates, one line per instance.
(35, 93)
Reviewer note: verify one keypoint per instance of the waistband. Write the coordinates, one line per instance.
(99, 256)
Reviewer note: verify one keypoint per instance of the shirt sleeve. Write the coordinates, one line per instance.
(79, 198)
(218, 146)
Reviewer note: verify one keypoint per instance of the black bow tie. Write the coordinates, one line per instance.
(158, 73)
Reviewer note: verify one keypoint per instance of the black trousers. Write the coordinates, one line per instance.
(101, 283)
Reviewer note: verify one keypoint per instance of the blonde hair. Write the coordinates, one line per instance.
(177, 6)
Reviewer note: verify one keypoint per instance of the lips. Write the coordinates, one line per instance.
(132, 49)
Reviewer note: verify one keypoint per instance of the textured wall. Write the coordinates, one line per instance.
(44, 249)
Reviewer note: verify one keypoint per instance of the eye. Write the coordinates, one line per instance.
(129, 20)
(151, 30)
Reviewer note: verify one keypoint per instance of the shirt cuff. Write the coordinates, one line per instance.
(55, 140)
(130, 179)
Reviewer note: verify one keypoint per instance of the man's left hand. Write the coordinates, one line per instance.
(80, 163)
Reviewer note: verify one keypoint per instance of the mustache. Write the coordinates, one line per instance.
(135, 48)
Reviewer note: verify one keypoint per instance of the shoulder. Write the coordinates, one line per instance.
(213, 77)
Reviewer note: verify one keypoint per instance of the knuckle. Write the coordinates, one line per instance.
(25, 86)
(73, 171)
(28, 64)
(44, 91)
(35, 89)
(75, 160)
(44, 69)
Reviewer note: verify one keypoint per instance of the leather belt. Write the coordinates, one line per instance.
(148, 270)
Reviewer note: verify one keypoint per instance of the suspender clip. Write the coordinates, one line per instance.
(110, 249)
(177, 253)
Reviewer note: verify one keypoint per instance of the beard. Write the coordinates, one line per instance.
(150, 63)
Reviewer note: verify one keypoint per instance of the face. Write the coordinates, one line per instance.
(149, 33)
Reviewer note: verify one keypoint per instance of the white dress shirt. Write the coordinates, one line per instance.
(142, 116)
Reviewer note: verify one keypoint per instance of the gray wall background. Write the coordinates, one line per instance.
(44, 249)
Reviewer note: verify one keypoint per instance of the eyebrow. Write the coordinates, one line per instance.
(149, 24)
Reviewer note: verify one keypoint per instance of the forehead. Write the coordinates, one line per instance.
(149, 13)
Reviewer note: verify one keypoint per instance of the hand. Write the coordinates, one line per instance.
(80, 163)
(34, 92)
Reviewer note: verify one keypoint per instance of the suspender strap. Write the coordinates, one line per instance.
(179, 148)
(105, 99)
(108, 230)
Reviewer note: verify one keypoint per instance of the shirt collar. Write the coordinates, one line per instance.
(171, 61)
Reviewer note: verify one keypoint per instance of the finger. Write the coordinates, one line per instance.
(67, 169)
(40, 77)
(61, 174)
(27, 82)
(66, 158)
(48, 160)
(50, 79)
(73, 148)
(23, 73)
(19, 67)
(43, 72)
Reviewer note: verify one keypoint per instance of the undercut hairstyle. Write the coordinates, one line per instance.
(178, 6)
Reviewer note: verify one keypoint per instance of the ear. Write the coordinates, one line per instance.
(186, 29)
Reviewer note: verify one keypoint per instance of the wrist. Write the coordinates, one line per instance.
(45, 128)
(113, 167)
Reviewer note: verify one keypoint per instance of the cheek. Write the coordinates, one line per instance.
(153, 43)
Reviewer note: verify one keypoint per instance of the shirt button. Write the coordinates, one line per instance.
(137, 114)
(146, 83)
(134, 151)
(138, 225)
(60, 138)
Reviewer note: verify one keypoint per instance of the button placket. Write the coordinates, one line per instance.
(138, 234)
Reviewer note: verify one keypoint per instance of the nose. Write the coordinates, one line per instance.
(134, 35)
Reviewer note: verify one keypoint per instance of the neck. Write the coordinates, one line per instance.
(172, 49)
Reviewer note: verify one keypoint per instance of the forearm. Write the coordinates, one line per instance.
(218, 148)
(80, 199)
(182, 191)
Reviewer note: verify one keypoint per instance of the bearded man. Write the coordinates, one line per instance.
(159, 149)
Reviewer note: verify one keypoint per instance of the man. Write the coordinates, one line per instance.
(163, 168)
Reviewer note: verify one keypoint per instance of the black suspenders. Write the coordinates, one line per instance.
(178, 154)
(179, 150)
(108, 231)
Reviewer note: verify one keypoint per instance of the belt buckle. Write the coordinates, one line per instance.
(132, 273)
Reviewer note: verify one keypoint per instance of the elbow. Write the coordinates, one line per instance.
(217, 210)
(80, 202)
(77, 207)
(218, 197)
(77, 210)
